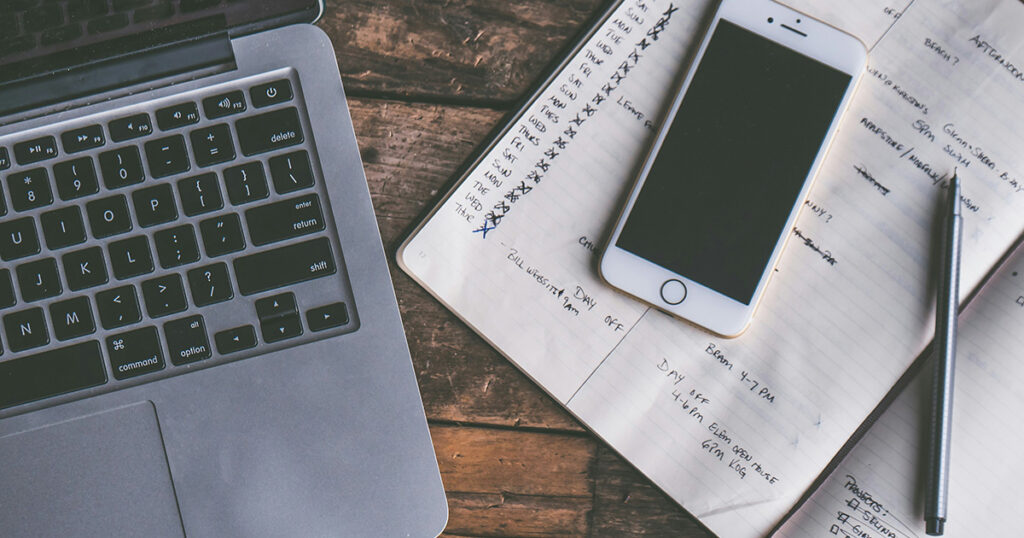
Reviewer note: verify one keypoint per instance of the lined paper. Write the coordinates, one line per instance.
(735, 430)
(878, 489)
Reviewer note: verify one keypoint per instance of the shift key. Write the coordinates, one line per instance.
(284, 266)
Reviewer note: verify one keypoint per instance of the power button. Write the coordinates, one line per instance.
(673, 292)
(271, 93)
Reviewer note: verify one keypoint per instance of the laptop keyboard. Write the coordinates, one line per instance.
(27, 24)
(143, 243)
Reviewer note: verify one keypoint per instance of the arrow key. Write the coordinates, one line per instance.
(237, 339)
(327, 317)
(276, 306)
(281, 328)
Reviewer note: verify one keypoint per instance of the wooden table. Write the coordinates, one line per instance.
(427, 81)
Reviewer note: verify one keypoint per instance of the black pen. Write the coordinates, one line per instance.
(945, 361)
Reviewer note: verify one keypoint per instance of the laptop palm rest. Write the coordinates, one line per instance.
(99, 475)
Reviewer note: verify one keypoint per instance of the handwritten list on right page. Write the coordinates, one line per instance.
(877, 492)
(737, 430)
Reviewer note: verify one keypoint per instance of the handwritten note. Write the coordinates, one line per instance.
(735, 430)
(512, 249)
(877, 490)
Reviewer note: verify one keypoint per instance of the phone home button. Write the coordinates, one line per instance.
(673, 292)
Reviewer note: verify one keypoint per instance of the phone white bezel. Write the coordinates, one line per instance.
(701, 305)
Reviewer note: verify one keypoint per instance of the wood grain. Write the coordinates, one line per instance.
(482, 51)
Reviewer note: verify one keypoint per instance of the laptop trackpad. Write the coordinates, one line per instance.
(100, 475)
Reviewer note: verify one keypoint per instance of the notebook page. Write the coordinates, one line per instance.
(877, 491)
(866, 20)
(736, 430)
(512, 250)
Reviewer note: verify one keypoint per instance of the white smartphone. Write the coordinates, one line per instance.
(732, 164)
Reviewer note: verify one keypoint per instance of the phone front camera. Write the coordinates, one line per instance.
(798, 21)
(770, 20)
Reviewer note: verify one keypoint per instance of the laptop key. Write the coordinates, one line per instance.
(271, 93)
(291, 172)
(38, 280)
(122, 167)
(63, 227)
(281, 328)
(26, 329)
(163, 10)
(222, 235)
(127, 5)
(72, 318)
(284, 220)
(200, 194)
(79, 10)
(269, 131)
(224, 104)
(212, 145)
(30, 189)
(246, 183)
(135, 353)
(85, 268)
(154, 205)
(118, 307)
(131, 257)
(7, 298)
(5, 159)
(177, 116)
(176, 246)
(234, 340)
(167, 156)
(14, 45)
(18, 239)
(83, 138)
(109, 216)
(276, 306)
(51, 373)
(284, 266)
(187, 341)
(131, 127)
(75, 179)
(107, 24)
(327, 317)
(43, 17)
(164, 296)
(33, 151)
(60, 34)
(210, 284)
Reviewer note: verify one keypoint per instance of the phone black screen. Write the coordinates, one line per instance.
(733, 161)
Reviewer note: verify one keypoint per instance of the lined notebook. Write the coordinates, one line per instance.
(738, 430)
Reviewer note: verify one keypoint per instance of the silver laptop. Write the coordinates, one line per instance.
(199, 332)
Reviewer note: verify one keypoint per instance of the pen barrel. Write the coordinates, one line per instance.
(947, 310)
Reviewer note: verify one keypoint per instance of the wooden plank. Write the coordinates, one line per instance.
(474, 50)
(627, 504)
(503, 482)
(515, 515)
(411, 153)
(498, 460)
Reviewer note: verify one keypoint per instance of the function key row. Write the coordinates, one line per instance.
(170, 118)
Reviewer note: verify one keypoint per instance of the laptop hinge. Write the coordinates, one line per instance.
(118, 72)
